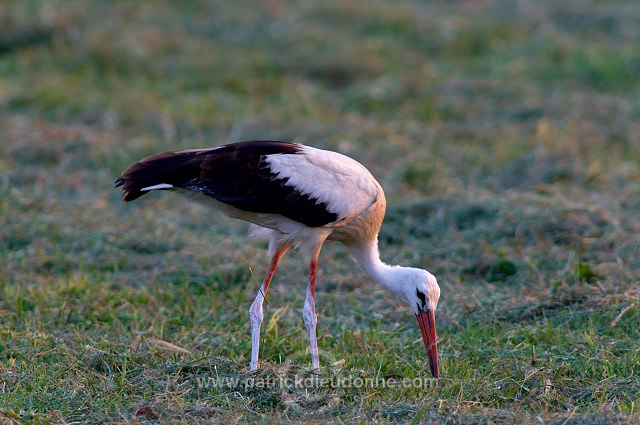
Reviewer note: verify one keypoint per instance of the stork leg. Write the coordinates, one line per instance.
(255, 311)
(309, 315)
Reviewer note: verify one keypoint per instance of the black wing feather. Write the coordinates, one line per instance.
(235, 174)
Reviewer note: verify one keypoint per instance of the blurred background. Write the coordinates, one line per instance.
(505, 133)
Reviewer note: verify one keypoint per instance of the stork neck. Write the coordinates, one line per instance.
(367, 257)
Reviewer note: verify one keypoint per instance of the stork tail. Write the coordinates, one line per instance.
(161, 171)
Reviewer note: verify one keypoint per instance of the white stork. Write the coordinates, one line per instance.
(297, 195)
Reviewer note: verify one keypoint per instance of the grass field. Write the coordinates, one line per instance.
(506, 135)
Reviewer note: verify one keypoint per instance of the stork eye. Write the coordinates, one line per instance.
(423, 298)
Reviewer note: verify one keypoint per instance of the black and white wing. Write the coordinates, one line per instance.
(311, 186)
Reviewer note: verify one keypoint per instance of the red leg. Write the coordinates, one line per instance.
(255, 311)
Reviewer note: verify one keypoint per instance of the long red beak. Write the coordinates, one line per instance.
(427, 323)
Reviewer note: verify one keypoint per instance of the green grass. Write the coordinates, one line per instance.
(505, 135)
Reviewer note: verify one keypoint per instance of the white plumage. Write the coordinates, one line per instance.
(345, 185)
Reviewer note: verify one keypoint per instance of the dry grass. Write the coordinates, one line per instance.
(507, 138)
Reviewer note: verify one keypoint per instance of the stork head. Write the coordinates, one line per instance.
(420, 290)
